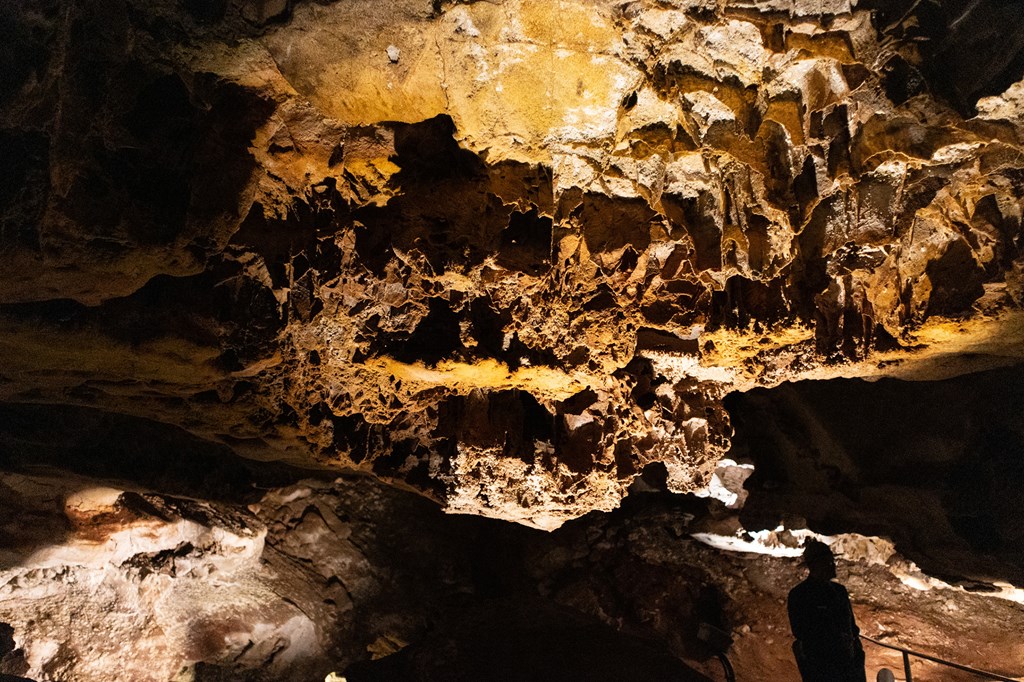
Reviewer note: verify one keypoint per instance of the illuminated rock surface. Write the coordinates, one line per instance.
(505, 255)
(320, 575)
(511, 261)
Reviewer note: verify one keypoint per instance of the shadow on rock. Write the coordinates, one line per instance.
(525, 640)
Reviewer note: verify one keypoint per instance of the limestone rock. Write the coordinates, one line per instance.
(353, 577)
(507, 254)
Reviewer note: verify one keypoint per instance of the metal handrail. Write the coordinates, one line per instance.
(907, 653)
(730, 674)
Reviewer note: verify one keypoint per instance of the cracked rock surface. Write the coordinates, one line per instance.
(507, 254)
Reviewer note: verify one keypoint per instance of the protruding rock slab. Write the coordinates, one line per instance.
(507, 254)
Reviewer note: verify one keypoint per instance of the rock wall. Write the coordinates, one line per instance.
(110, 583)
(507, 254)
(103, 580)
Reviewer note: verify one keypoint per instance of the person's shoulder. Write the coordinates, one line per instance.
(838, 588)
(799, 589)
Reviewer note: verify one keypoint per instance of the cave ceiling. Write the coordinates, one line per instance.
(505, 254)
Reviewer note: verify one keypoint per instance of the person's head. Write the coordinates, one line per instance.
(819, 560)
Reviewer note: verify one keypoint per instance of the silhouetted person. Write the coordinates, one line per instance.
(827, 646)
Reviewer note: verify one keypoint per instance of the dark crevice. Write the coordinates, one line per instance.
(108, 445)
(935, 465)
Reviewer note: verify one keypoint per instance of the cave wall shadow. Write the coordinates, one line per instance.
(936, 466)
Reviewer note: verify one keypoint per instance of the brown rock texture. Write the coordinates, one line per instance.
(507, 254)
(295, 292)
(351, 576)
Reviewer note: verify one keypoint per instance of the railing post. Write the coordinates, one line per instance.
(906, 667)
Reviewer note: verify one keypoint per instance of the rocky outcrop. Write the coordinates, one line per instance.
(506, 254)
(147, 586)
(349, 576)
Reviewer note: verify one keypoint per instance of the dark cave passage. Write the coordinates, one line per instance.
(937, 466)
